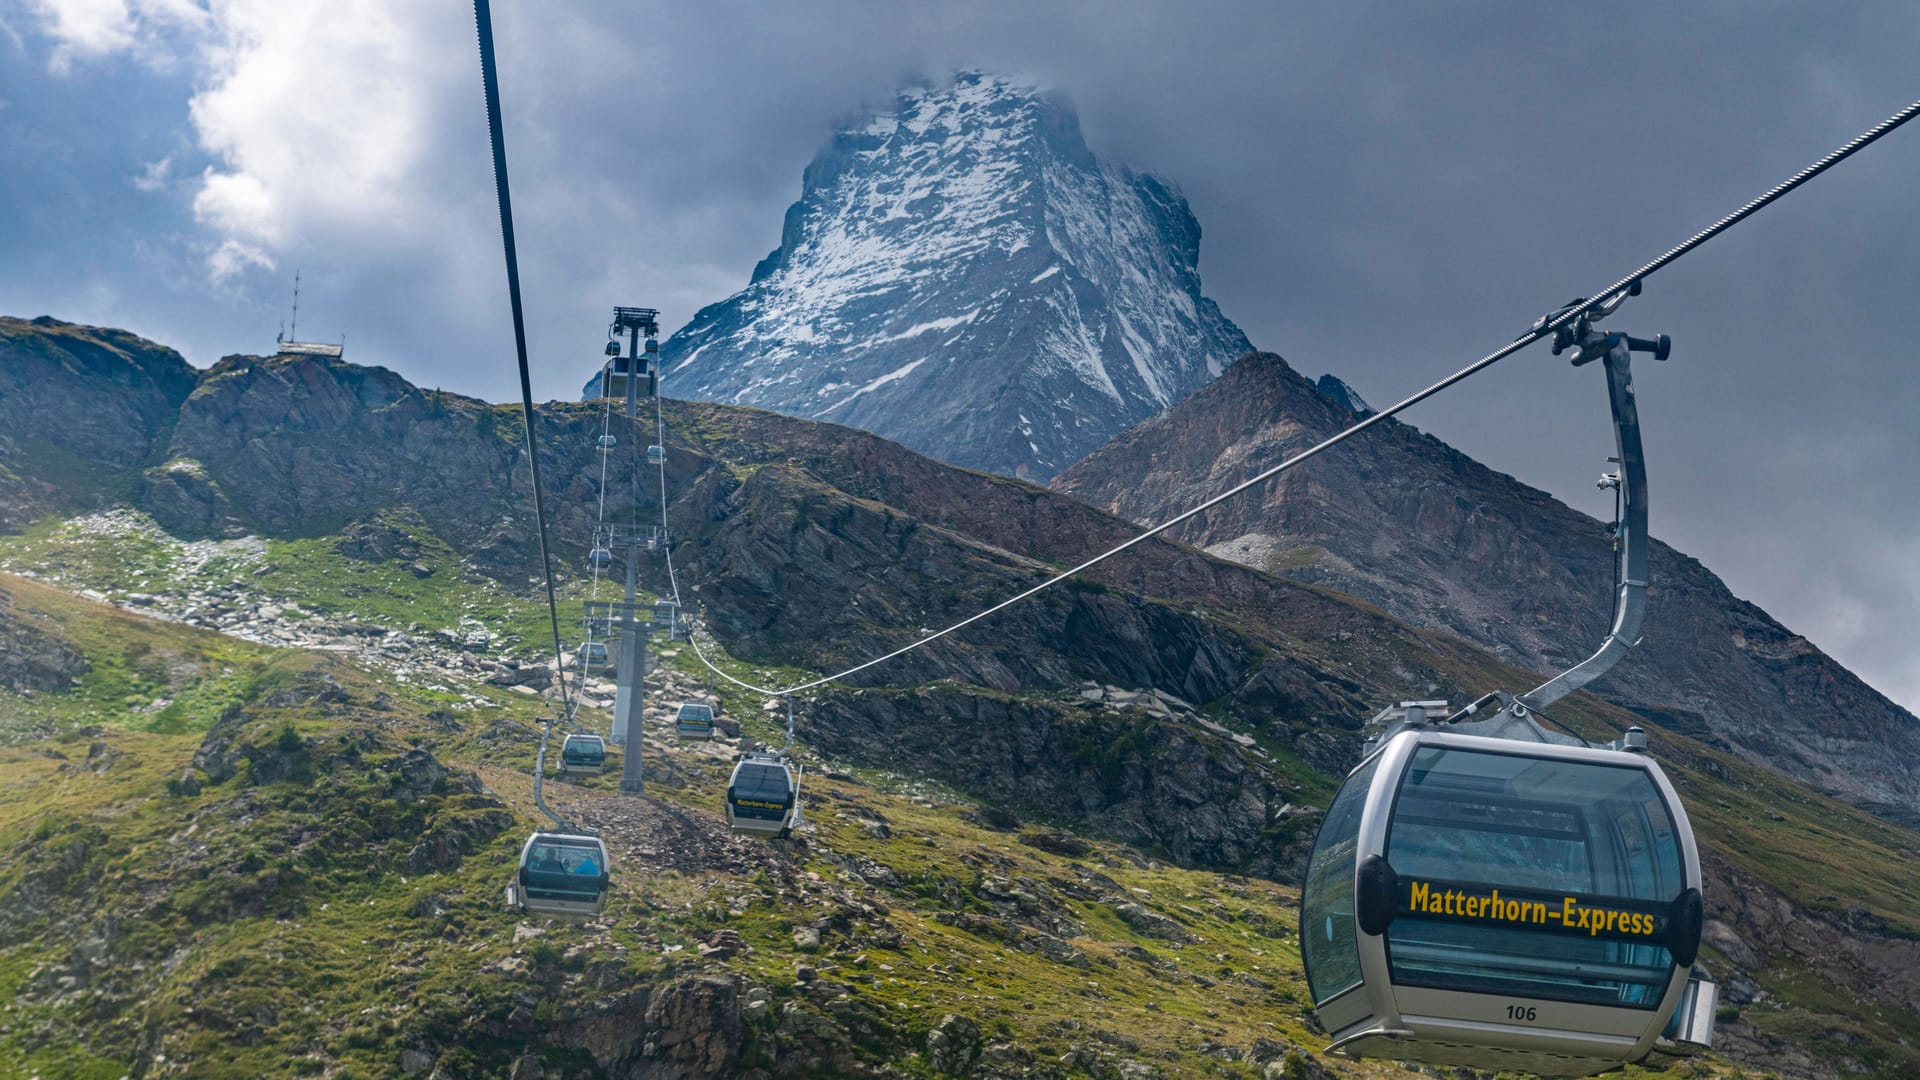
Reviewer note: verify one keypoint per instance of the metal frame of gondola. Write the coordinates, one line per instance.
(1377, 1018)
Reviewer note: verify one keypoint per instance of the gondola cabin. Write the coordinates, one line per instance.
(1502, 904)
(622, 370)
(581, 753)
(608, 442)
(656, 455)
(562, 873)
(600, 558)
(593, 652)
(763, 796)
(694, 721)
(666, 616)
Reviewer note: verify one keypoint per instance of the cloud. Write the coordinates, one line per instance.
(231, 257)
(154, 176)
(322, 120)
(86, 30)
(13, 36)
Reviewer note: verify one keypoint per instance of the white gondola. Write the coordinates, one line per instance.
(656, 455)
(763, 795)
(1500, 903)
(600, 558)
(583, 754)
(693, 721)
(608, 442)
(593, 652)
(1488, 893)
(562, 873)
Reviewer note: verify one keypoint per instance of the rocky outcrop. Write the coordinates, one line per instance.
(34, 655)
(185, 501)
(81, 407)
(1158, 784)
(1401, 520)
(1760, 936)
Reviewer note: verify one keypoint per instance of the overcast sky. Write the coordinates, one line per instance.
(1387, 191)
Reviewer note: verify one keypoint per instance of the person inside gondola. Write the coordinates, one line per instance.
(548, 863)
(587, 866)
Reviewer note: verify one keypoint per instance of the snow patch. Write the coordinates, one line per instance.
(892, 376)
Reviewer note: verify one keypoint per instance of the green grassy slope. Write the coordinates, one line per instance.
(333, 904)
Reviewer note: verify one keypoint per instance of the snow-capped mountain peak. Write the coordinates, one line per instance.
(962, 274)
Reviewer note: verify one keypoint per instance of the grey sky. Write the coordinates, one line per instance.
(1387, 192)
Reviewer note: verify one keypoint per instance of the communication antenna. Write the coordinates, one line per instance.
(293, 327)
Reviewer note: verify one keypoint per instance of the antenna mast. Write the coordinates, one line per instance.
(293, 328)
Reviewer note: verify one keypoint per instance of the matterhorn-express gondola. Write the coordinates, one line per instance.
(1490, 893)
(763, 795)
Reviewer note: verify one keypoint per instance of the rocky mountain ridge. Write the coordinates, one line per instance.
(1401, 519)
(962, 275)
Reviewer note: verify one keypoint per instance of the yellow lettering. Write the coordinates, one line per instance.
(1473, 906)
(1418, 896)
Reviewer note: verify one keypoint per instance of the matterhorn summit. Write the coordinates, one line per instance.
(963, 275)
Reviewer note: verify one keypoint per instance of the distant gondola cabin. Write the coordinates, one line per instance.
(694, 721)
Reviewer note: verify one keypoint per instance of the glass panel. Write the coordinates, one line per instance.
(560, 857)
(1508, 821)
(1327, 945)
(764, 783)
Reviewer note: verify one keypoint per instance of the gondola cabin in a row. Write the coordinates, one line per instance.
(583, 754)
(694, 721)
(763, 795)
(562, 873)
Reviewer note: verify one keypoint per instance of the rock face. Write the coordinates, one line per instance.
(1405, 521)
(305, 445)
(33, 655)
(80, 407)
(1160, 786)
(962, 275)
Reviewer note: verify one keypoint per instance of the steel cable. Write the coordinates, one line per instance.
(483, 22)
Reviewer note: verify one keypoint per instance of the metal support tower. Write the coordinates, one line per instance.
(629, 702)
